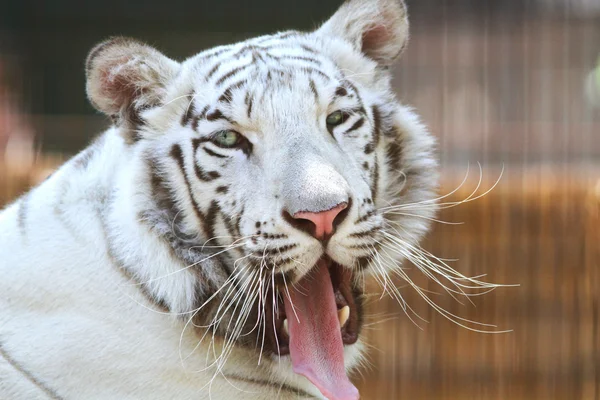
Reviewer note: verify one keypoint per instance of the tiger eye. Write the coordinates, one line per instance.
(226, 138)
(336, 118)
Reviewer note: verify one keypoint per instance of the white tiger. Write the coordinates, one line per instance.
(215, 240)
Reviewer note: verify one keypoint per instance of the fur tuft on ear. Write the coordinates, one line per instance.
(125, 76)
(377, 28)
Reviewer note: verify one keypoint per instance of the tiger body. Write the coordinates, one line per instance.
(142, 268)
(61, 324)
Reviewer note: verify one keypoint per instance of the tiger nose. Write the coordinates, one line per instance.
(322, 224)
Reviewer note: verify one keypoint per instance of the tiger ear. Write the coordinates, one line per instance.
(377, 28)
(125, 76)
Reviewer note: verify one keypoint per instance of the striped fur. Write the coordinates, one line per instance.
(135, 271)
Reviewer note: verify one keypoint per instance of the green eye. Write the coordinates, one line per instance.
(226, 138)
(336, 118)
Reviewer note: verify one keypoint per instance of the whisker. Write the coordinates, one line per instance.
(391, 289)
(435, 200)
(190, 320)
(287, 291)
(450, 204)
(273, 310)
(421, 216)
(180, 97)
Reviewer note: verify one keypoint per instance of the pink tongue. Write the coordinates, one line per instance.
(316, 346)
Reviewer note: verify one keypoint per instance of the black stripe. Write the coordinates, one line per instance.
(204, 112)
(376, 125)
(309, 49)
(177, 154)
(295, 58)
(222, 189)
(375, 180)
(365, 233)
(274, 251)
(213, 71)
(356, 125)
(231, 73)
(212, 153)
(182, 245)
(197, 119)
(161, 192)
(229, 224)
(354, 89)
(376, 136)
(211, 219)
(313, 88)
(133, 118)
(300, 58)
(360, 246)
(365, 217)
(120, 266)
(217, 114)
(205, 176)
(358, 110)
(28, 375)
(256, 56)
(369, 148)
(272, 236)
(214, 53)
(185, 119)
(245, 50)
(394, 153)
(310, 70)
(249, 100)
(226, 96)
(272, 56)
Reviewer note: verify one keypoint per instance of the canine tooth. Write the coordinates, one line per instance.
(285, 327)
(343, 315)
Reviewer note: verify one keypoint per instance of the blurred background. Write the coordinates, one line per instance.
(511, 84)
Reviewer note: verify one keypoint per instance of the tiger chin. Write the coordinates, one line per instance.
(215, 241)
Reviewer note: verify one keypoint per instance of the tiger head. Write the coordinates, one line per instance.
(272, 167)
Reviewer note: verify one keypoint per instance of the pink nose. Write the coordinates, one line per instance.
(323, 221)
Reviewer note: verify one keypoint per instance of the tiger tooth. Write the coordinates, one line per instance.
(343, 315)
(285, 327)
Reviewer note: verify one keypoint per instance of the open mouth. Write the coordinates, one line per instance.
(344, 301)
(314, 318)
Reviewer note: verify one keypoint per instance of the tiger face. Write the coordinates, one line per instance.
(269, 168)
(287, 148)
